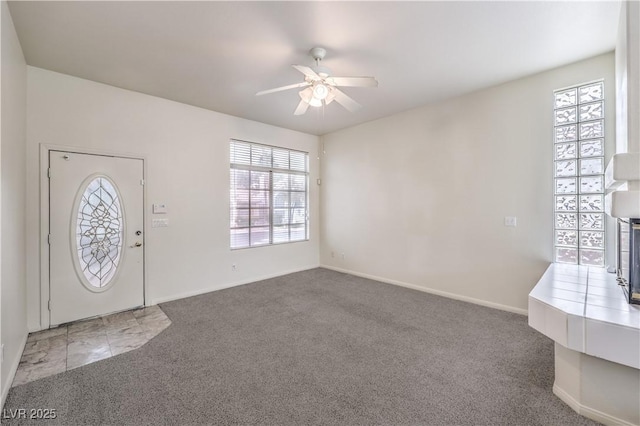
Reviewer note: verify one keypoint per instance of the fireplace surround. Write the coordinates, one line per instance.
(628, 258)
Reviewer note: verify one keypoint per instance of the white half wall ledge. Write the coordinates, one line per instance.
(597, 341)
(622, 167)
(623, 204)
(448, 295)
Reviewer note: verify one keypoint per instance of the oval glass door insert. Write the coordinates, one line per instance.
(99, 232)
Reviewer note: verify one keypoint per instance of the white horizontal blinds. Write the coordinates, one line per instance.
(268, 193)
(579, 175)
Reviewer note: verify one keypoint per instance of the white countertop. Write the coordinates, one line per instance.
(584, 309)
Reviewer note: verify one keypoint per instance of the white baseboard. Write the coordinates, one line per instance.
(157, 300)
(566, 398)
(12, 372)
(432, 291)
(588, 412)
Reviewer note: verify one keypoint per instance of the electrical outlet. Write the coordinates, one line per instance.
(342, 256)
(333, 254)
(233, 267)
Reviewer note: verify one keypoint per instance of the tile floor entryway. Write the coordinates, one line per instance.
(79, 343)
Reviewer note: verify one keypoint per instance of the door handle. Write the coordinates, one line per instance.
(137, 244)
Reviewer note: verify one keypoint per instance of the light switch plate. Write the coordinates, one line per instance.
(159, 208)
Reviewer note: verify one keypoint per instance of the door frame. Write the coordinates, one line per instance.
(45, 207)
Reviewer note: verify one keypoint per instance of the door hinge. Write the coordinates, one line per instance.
(142, 182)
(49, 304)
(49, 172)
(49, 239)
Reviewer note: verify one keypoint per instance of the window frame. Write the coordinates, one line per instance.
(271, 191)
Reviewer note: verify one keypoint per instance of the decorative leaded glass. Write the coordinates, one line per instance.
(579, 174)
(99, 232)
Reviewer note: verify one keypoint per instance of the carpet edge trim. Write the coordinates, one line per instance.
(446, 294)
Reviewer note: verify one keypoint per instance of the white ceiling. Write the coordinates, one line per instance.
(217, 55)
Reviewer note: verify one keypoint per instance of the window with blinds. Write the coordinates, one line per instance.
(579, 174)
(269, 195)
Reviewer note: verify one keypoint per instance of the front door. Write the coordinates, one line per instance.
(96, 252)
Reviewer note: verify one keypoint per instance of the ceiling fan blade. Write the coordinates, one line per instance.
(353, 81)
(302, 108)
(307, 72)
(278, 89)
(331, 96)
(306, 94)
(344, 100)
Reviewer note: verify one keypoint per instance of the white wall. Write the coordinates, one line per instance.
(628, 79)
(419, 198)
(12, 224)
(187, 167)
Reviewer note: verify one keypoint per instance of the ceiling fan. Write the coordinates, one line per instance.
(320, 88)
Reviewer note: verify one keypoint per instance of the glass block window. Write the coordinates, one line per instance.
(269, 195)
(579, 174)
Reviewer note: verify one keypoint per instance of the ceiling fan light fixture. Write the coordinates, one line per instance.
(320, 91)
(307, 95)
(320, 88)
(315, 102)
